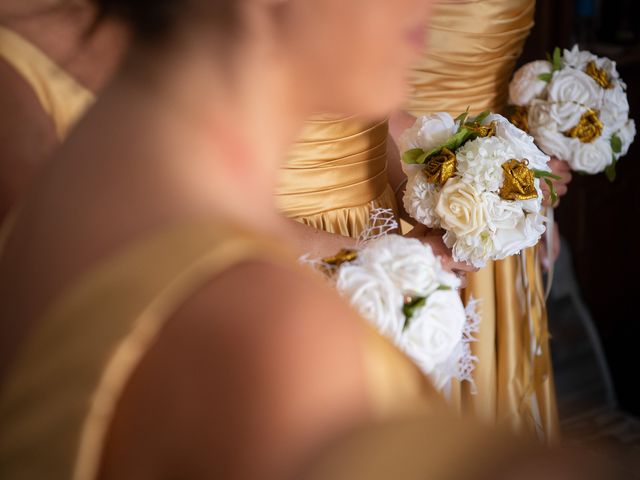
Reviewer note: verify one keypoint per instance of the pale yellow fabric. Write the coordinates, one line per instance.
(471, 52)
(335, 174)
(61, 96)
(60, 396)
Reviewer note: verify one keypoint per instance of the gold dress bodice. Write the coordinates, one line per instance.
(61, 96)
(471, 50)
(61, 393)
(335, 174)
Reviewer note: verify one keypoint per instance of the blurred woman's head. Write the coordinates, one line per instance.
(342, 56)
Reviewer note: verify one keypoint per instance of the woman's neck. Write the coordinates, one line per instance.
(223, 133)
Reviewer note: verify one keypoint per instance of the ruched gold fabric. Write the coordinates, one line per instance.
(61, 394)
(471, 52)
(60, 95)
(335, 174)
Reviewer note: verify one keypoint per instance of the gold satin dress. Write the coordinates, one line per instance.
(336, 174)
(472, 48)
(61, 96)
(55, 415)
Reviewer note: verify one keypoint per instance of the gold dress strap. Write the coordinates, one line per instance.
(60, 95)
(335, 174)
(61, 392)
(60, 395)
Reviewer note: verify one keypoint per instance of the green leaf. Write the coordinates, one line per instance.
(480, 118)
(455, 141)
(444, 288)
(414, 156)
(544, 174)
(552, 190)
(557, 59)
(462, 117)
(549, 59)
(409, 310)
(610, 171)
(545, 77)
(616, 143)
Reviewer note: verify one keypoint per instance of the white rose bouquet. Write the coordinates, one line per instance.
(479, 180)
(575, 106)
(399, 286)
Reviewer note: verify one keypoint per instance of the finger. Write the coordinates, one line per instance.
(461, 267)
(464, 283)
(564, 179)
(561, 190)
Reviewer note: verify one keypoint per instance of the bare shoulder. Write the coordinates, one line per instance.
(256, 369)
(27, 135)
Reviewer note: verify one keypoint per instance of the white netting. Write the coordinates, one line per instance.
(382, 221)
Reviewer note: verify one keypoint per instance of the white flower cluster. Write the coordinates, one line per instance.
(480, 225)
(576, 108)
(391, 271)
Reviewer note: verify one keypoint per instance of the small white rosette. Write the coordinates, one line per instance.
(575, 106)
(477, 179)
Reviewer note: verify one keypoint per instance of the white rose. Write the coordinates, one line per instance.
(591, 157)
(374, 296)
(627, 133)
(435, 331)
(461, 209)
(480, 162)
(502, 214)
(526, 85)
(543, 126)
(555, 143)
(614, 109)
(520, 142)
(527, 233)
(420, 200)
(411, 265)
(428, 132)
(577, 58)
(473, 249)
(571, 85)
(512, 229)
(561, 116)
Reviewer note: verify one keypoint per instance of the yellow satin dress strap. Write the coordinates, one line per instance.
(335, 174)
(472, 49)
(62, 391)
(61, 96)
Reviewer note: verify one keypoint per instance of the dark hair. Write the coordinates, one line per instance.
(155, 20)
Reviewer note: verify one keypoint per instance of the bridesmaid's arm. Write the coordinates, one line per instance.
(317, 243)
(242, 383)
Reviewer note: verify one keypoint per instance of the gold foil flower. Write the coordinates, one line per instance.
(518, 181)
(600, 75)
(482, 130)
(440, 167)
(343, 256)
(519, 116)
(588, 129)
